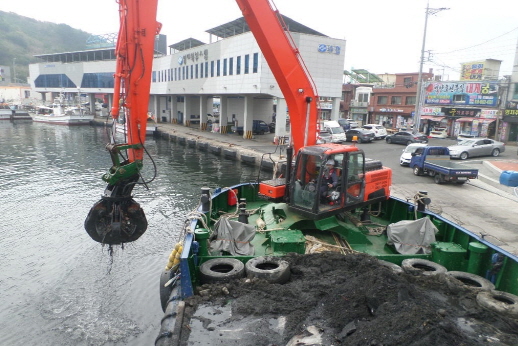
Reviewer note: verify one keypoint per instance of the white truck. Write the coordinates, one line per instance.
(337, 132)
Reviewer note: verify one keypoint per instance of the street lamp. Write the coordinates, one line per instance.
(418, 104)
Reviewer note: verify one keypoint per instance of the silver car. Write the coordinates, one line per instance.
(471, 147)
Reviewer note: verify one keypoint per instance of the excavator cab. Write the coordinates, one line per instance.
(327, 179)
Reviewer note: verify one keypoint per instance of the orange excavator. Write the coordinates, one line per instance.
(326, 179)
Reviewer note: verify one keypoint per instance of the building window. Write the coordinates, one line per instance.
(212, 68)
(395, 100)
(218, 68)
(224, 67)
(247, 63)
(201, 70)
(192, 72)
(515, 94)
(238, 65)
(206, 69)
(183, 72)
(255, 63)
(461, 98)
(196, 71)
(408, 82)
(410, 100)
(230, 66)
(382, 100)
(27, 93)
(363, 97)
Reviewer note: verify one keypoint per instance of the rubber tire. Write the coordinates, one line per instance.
(472, 280)
(359, 140)
(418, 266)
(409, 142)
(221, 270)
(464, 155)
(165, 292)
(500, 302)
(392, 266)
(389, 140)
(438, 179)
(270, 268)
(495, 152)
(432, 173)
(417, 170)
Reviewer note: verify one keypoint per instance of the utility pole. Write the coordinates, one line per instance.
(14, 70)
(418, 104)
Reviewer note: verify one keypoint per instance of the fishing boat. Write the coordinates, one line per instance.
(151, 126)
(8, 113)
(61, 114)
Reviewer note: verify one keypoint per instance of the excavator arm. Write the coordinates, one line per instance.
(117, 218)
(287, 66)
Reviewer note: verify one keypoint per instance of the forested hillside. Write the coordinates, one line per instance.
(23, 37)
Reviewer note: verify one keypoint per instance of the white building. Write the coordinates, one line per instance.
(186, 83)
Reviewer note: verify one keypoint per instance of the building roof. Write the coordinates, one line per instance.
(187, 44)
(84, 55)
(239, 26)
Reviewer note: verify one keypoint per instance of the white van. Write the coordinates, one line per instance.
(337, 132)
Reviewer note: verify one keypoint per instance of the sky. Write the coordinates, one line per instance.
(381, 36)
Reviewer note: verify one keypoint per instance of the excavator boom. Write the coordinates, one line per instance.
(117, 218)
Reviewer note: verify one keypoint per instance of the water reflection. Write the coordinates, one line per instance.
(59, 286)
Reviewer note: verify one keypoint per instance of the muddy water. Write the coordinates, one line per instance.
(58, 286)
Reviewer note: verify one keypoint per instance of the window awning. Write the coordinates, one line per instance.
(431, 117)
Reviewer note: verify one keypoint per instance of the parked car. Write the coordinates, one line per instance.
(472, 147)
(258, 126)
(362, 135)
(380, 132)
(347, 124)
(406, 156)
(405, 137)
(324, 137)
(439, 132)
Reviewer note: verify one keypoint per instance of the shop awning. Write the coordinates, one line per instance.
(431, 117)
(481, 120)
(486, 120)
(464, 120)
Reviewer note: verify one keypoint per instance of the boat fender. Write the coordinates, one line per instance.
(165, 290)
(221, 270)
(392, 266)
(472, 280)
(419, 266)
(498, 301)
(270, 268)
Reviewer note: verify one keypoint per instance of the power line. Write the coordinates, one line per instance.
(479, 44)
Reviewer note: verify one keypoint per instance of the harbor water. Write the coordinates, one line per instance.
(59, 287)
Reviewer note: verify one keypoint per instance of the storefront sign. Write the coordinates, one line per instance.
(431, 111)
(484, 94)
(460, 112)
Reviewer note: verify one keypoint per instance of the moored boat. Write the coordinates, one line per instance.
(58, 113)
(7, 113)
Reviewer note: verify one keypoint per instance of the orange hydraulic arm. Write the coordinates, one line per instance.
(287, 67)
(117, 218)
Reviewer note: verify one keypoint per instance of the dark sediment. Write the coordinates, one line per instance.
(353, 300)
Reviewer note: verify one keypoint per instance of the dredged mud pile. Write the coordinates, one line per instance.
(332, 299)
